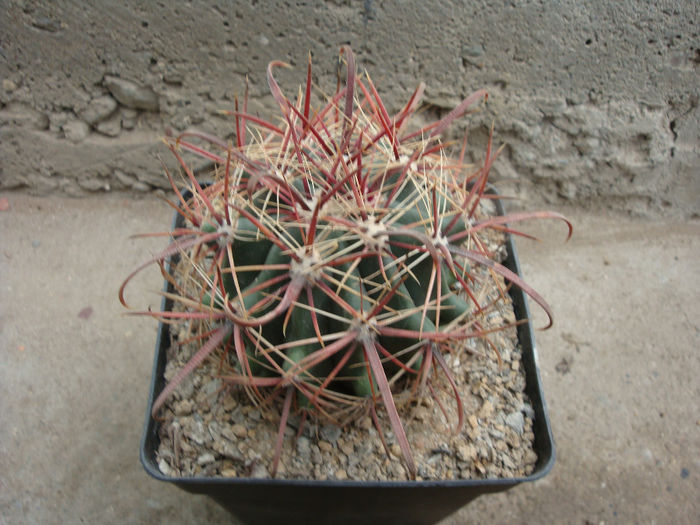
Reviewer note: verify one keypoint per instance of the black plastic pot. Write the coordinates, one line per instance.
(263, 501)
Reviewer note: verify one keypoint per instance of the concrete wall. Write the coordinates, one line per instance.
(596, 101)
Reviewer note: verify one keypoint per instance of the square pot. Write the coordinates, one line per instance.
(262, 501)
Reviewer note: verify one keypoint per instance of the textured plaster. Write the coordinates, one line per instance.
(596, 102)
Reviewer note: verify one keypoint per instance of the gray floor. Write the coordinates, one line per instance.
(620, 369)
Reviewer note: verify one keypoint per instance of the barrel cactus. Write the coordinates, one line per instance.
(331, 257)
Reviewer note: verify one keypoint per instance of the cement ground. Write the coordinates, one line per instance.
(620, 369)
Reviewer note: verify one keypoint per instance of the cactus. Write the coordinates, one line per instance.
(331, 257)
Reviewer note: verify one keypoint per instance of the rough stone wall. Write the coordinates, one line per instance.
(597, 102)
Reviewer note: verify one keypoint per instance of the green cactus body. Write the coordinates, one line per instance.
(354, 376)
(301, 328)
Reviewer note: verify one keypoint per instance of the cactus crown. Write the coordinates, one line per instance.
(331, 256)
